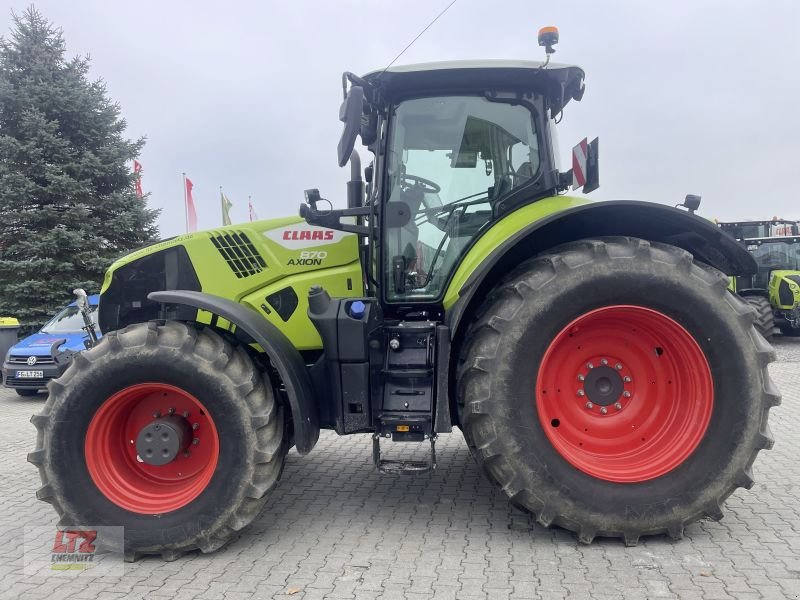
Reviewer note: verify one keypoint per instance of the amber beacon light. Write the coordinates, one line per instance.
(548, 37)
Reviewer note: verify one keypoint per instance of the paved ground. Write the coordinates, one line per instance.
(336, 529)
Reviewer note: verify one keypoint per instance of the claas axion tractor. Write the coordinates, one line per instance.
(603, 375)
(774, 290)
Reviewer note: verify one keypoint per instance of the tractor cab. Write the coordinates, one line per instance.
(456, 146)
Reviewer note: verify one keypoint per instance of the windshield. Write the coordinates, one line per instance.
(451, 158)
(69, 320)
(774, 256)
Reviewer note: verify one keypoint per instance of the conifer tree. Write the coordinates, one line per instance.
(67, 202)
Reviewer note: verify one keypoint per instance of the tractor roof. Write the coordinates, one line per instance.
(471, 75)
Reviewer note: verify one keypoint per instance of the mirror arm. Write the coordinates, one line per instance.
(332, 218)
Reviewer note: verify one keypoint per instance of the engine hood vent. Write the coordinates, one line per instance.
(239, 252)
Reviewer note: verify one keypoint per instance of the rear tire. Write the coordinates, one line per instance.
(765, 316)
(501, 394)
(27, 393)
(241, 429)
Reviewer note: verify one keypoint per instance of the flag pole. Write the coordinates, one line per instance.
(185, 204)
(222, 206)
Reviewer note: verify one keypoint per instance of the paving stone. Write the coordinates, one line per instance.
(334, 528)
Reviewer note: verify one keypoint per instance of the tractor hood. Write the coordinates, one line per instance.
(558, 82)
(267, 265)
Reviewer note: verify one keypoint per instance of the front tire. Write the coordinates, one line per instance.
(765, 316)
(666, 431)
(190, 382)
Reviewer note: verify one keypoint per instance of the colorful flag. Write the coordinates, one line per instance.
(137, 172)
(226, 208)
(191, 213)
(252, 210)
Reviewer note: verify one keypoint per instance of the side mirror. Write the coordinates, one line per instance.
(350, 114)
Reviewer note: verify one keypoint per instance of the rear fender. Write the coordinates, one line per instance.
(282, 354)
(525, 233)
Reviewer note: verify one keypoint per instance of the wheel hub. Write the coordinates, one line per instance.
(603, 386)
(161, 440)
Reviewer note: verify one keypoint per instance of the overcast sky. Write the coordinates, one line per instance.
(687, 96)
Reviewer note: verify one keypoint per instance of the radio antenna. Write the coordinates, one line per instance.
(419, 35)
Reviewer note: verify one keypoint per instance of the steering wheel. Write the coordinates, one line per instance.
(428, 186)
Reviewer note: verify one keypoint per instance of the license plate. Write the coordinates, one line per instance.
(30, 374)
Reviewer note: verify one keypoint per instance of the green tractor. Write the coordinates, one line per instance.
(774, 290)
(602, 374)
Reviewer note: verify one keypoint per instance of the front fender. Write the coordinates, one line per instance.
(541, 225)
(282, 354)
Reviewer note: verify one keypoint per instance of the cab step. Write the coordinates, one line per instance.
(402, 467)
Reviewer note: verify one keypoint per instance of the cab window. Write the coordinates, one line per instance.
(450, 159)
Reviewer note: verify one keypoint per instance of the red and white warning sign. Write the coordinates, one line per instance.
(580, 154)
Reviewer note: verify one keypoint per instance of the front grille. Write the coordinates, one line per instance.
(17, 382)
(239, 252)
(16, 359)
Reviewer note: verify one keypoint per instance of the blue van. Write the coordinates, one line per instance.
(29, 365)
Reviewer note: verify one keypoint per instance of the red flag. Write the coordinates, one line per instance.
(137, 172)
(191, 214)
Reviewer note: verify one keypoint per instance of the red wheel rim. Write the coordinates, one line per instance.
(624, 393)
(112, 458)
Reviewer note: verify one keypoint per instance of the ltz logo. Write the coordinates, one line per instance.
(73, 549)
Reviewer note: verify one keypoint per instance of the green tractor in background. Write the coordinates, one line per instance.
(774, 290)
(604, 377)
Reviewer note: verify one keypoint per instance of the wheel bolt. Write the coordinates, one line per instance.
(195, 425)
(187, 454)
(618, 367)
(626, 393)
(581, 393)
(590, 365)
(626, 379)
(581, 377)
(618, 406)
(589, 405)
(604, 361)
(171, 411)
(195, 441)
(156, 414)
(603, 410)
(186, 414)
